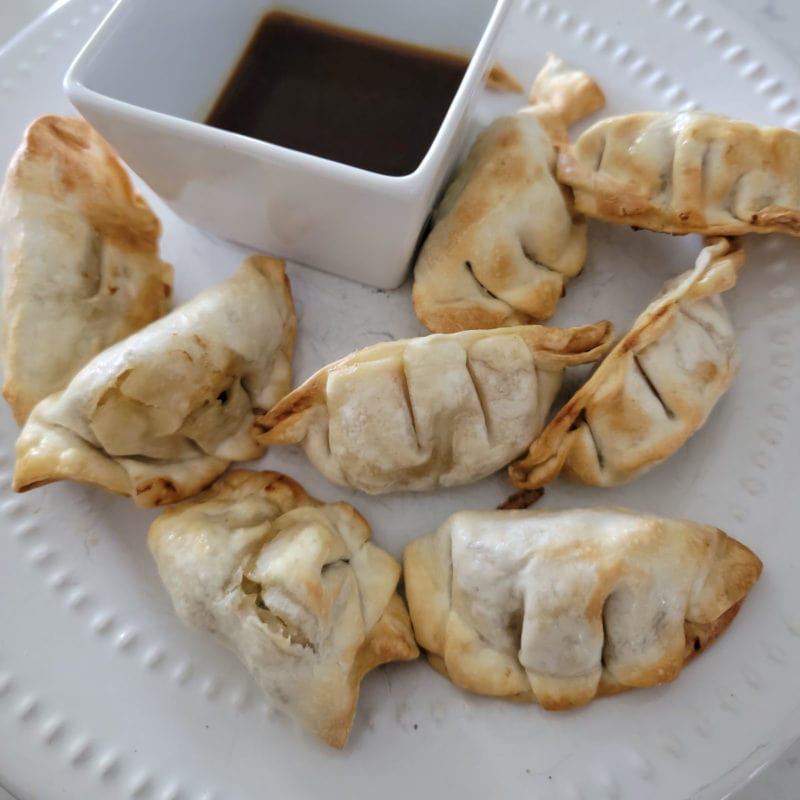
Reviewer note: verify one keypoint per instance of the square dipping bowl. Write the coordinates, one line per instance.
(150, 74)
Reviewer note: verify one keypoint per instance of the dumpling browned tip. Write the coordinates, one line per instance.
(499, 79)
(568, 93)
(585, 343)
(561, 606)
(286, 420)
(734, 571)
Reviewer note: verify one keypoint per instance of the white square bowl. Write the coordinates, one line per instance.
(152, 70)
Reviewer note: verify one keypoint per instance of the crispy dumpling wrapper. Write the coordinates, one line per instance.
(691, 172)
(431, 412)
(292, 585)
(505, 237)
(80, 259)
(499, 79)
(653, 390)
(558, 607)
(161, 414)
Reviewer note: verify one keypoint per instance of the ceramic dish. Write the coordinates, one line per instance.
(104, 694)
(148, 98)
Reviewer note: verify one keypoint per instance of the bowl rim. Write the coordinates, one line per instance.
(76, 86)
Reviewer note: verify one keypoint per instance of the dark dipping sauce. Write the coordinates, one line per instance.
(340, 94)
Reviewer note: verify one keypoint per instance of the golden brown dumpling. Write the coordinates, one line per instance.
(687, 173)
(292, 585)
(80, 259)
(505, 237)
(558, 607)
(431, 412)
(653, 390)
(161, 414)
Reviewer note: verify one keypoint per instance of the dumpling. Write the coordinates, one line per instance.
(687, 173)
(80, 259)
(293, 586)
(505, 237)
(653, 390)
(440, 410)
(558, 607)
(161, 414)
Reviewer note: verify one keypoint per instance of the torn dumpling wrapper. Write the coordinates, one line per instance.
(292, 585)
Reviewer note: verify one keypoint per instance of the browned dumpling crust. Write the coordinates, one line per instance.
(163, 413)
(292, 585)
(81, 265)
(499, 79)
(558, 607)
(436, 411)
(505, 237)
(653, 390)
(687, 173)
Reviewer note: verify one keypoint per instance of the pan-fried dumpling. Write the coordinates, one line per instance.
(505, 237)
(687, 173)
(653, 390)
(161, 414)
(293, 586)
(440, 410)
(80, 259)
(558, 607)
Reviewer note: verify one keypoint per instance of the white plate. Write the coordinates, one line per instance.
(104, 694)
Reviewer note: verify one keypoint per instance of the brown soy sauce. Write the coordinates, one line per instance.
(347, 96)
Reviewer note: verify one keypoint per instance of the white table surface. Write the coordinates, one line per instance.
(778, 19)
